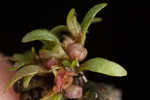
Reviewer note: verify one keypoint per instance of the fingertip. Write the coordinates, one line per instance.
(5, 76)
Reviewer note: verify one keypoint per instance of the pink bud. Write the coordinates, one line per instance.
(73, 92)
(76, 51)
(67, 41)
(50, 63)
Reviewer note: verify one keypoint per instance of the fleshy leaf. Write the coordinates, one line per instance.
(25, 71)
(45, 36)
(53, 96)
(55, 68)
(57, 52)
(18, 65)
(74, 63)
(25, 58)
(33, 53)
(103, 66)
(27, 80)
(39, 34)
(72, 24)
(66, 63)
(58, 29)
(49, 40)
(58, 96)
(89, 18)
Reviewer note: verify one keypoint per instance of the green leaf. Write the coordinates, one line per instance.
(55, 68)
(97, 20)
(49, 40)
(56, 96)
(57, 52)
(58, 29)
(45, 36)
(103, 66)
(74, 63)
(49, 45)
(25, 71)
(18, 65)
(54, 51)
(25, 58)
(33, 53)
(39, 34)
(27, 80)
(66, 63)
(72, 24)
(89, 18)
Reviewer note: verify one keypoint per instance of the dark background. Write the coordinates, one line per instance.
(115, 40)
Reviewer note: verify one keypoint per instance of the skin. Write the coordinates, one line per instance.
(5, 76)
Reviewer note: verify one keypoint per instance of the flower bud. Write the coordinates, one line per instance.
(73, 92)
(76, 51)
(67, 41)
(50, 63)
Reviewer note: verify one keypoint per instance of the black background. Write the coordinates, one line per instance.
(115, 40)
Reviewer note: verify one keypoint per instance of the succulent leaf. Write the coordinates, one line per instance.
(73, 25)
(58, 29)
(57, 52)
(27, 80)
(25, 71)
(103, 66)
(18, 65)
(39, 34)
(89, 18)
(45, 36)
(66, 63)
(74, 63)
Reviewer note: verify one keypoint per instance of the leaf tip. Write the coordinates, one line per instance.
(73, 9)
(105, 4)
(125, 73)
(24, 40)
